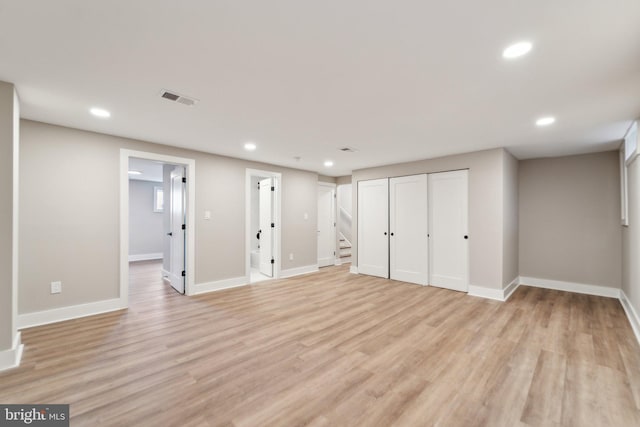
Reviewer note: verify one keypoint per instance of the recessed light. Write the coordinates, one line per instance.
(517, 50)
(100, 112)
(545, 121)
(135, 173)
(250, 146)
(328, 164)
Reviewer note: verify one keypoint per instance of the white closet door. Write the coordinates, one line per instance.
(373, 227)
(448, 230)
(408, 241)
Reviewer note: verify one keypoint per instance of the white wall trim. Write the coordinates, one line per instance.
(579, 288)
(218, 285)
(298, 271)
(190, 166)
(353, 269)
(631, 313)
(37, 318)
(11, 358)
(488, 293)
(145, 257)
(165, 274)
(277, 218)
(511, 288)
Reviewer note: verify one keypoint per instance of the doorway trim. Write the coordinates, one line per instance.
(190, 171)
(277, 218)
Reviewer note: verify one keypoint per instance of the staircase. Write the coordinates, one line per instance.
(344, 235)
(345, 249)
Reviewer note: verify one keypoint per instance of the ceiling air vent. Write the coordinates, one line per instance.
(176, 97)
(347, 150)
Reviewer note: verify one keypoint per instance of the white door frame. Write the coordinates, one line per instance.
(190, 171)
(277, 219)
(334, 208)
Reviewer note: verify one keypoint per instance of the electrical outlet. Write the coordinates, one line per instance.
(291, 257)
(56, 287)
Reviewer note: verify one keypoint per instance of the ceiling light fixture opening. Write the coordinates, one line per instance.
(100, 112)
(250, 146)
(545, 121)
(328, 163)
(517, 50)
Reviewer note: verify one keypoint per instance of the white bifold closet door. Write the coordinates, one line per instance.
(408, 239)
(373, 227)
(448, 230)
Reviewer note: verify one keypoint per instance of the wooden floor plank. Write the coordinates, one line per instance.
(336, 349)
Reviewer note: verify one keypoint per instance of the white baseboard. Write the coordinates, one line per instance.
(145, 257)
(218, 285)
(11, 358)
(511, 288)
(631, 313)
(28, 320)
(353, 269)
(165, 274)
(580, 288)
(495, 294)
(489, 293)
(284, 274)
(338, 261)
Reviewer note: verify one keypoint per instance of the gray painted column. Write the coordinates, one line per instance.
(10, 347)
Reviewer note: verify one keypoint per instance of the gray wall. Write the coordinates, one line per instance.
(510, 228)
(9, 133)
(631, 239)
(329, 179)
(570, 219)
(146, 228)
(486, 207)
(77, 240)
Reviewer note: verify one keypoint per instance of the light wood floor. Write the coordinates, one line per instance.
(336, 349)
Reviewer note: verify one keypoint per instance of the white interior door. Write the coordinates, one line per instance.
(408, 241)
(326, 226)
(373, 227)
(448, 230)
(266, 226)
(177, 232)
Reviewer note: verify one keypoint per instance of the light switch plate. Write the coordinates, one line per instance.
(56, 287)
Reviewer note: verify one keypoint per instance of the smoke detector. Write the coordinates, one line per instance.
(176, 97)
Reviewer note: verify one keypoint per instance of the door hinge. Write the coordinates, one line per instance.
(184, 273)
(273, 188)
(273, 225)
(184, 226)
(273, 261)
(184, 180)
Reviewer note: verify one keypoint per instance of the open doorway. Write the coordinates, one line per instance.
(262, 225)
(156, 220)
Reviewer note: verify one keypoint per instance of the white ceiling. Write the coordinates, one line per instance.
(398, 81)
(149, 170)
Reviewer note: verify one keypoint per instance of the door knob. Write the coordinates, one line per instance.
(392, 234)
(169, 234)
(466, 237)
(385, 233)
